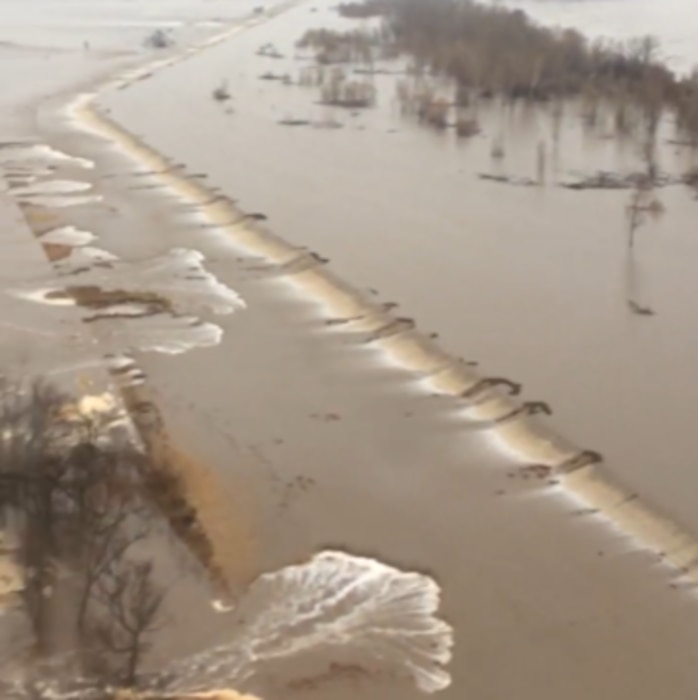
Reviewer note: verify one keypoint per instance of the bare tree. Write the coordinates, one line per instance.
(70, 492)
(31, 471)
(104, 543)
(643, 205)
(133, 603)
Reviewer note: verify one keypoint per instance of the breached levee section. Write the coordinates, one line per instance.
(579, 473)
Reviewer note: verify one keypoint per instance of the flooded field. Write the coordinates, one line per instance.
(530, 282)
(319, 305)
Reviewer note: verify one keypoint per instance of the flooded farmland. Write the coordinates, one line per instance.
(530, 282)
(321, 310)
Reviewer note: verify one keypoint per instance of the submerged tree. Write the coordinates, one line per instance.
(132, 611)
(70, 498)
(489, 50)
(221, 93)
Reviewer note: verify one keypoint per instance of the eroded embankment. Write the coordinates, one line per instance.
(528, 439)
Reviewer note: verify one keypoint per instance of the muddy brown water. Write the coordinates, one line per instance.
(546, 600)
(530, 282)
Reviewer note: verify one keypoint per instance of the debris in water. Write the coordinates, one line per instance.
(294, 122)
(639, 310)
(159, 39)
(509, 179)
(221, 93)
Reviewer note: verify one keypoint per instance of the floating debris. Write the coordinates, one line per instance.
(294, 122)
(159, 39)
(606, 180)
(509, 179)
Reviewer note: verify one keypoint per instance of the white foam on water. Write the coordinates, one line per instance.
(179, 275)
(131, 310)
(336, 608)
(41, 296)
(41, 154)
(51, 187)
(68, 235)
(171, 335)
(86, 256)
(58, 201)
(52, 154)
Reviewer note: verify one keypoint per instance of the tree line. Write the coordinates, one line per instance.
(71, 504)
(492, 51)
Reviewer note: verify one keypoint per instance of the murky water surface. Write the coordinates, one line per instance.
(531, 282)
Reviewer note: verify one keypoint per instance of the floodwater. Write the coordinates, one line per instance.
(533, 283)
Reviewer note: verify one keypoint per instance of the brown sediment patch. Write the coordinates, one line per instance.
(201, 512)
(41, 222)
(93, 297)
(186, 491)
(57, 251)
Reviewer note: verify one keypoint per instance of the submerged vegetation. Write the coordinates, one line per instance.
(333, 47)
(72, 507)
(457, 61)
(362, 10)
(489, 51)
(221, 93)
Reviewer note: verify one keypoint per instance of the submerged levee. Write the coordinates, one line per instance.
(579, 472)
